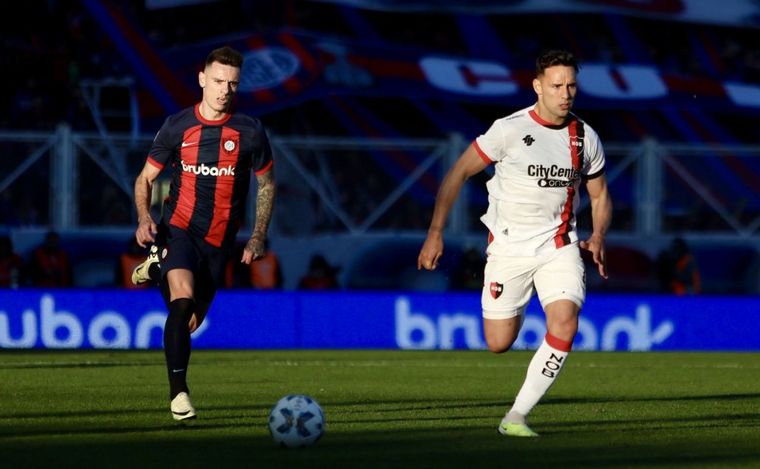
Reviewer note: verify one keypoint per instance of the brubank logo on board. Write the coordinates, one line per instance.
(60, 329)
(134, 320)
(417, 330)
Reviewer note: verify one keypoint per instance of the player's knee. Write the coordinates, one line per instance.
(499, 344)
(564, 330)
(500, 334)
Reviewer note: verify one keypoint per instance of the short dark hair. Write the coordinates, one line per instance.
(226, 56)
(554, 57)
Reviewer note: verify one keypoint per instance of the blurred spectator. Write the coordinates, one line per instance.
(265, 273)
(678, 270)
(11, 265)
(50, 265)
(128, 261)
(468, 274)
(261, 274)
(320, 276)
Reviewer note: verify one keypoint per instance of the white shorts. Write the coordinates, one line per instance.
(509, 281)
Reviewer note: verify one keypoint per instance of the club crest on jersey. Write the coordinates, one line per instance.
(528, 140)
(576, 142)
(229, 146)
(496, 288)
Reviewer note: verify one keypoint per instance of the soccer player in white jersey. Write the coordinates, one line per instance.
(541, 155)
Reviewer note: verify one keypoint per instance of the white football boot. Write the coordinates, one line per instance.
(182, 408)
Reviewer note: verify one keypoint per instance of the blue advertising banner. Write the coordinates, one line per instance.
(98, 319)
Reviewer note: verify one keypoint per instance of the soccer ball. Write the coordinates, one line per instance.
(296, 420)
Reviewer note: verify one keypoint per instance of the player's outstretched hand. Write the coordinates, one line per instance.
(431, 252)
(595, 245)
(254, 249)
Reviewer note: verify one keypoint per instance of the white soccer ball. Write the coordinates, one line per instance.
(296, 420)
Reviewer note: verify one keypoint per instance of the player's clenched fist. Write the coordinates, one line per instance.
(145, 230)
(430, 253)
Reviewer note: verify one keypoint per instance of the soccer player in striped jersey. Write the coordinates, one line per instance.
(211, 153)
(541, 156)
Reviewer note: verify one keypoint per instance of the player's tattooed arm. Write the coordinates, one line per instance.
(146, 227)
(264, 203)
(255, 247)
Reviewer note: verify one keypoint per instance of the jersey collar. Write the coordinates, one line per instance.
(209, 122)
(534, 115)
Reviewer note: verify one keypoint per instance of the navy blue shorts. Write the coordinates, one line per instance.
(185, 251)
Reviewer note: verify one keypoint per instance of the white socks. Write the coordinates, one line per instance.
(542, 371)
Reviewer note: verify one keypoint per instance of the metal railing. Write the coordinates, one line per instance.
(316, 174)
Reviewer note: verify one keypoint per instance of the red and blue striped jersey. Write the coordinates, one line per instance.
(211, 163)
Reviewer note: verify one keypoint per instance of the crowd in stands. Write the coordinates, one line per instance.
(11, 265)
(67, 45)
(48, 265)
(677, 269)
(264, 274)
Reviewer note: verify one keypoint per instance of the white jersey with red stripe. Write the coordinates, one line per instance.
(533, 195)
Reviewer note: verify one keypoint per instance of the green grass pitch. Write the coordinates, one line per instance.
(382, 409)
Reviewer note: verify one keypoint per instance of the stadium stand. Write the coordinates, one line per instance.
(629, 269)
(361, 79)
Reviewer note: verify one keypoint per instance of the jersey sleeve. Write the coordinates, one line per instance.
(595, 156)
(163, 146)
(263, 160)
(490, 145)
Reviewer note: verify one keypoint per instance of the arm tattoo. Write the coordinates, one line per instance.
(264, 203)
